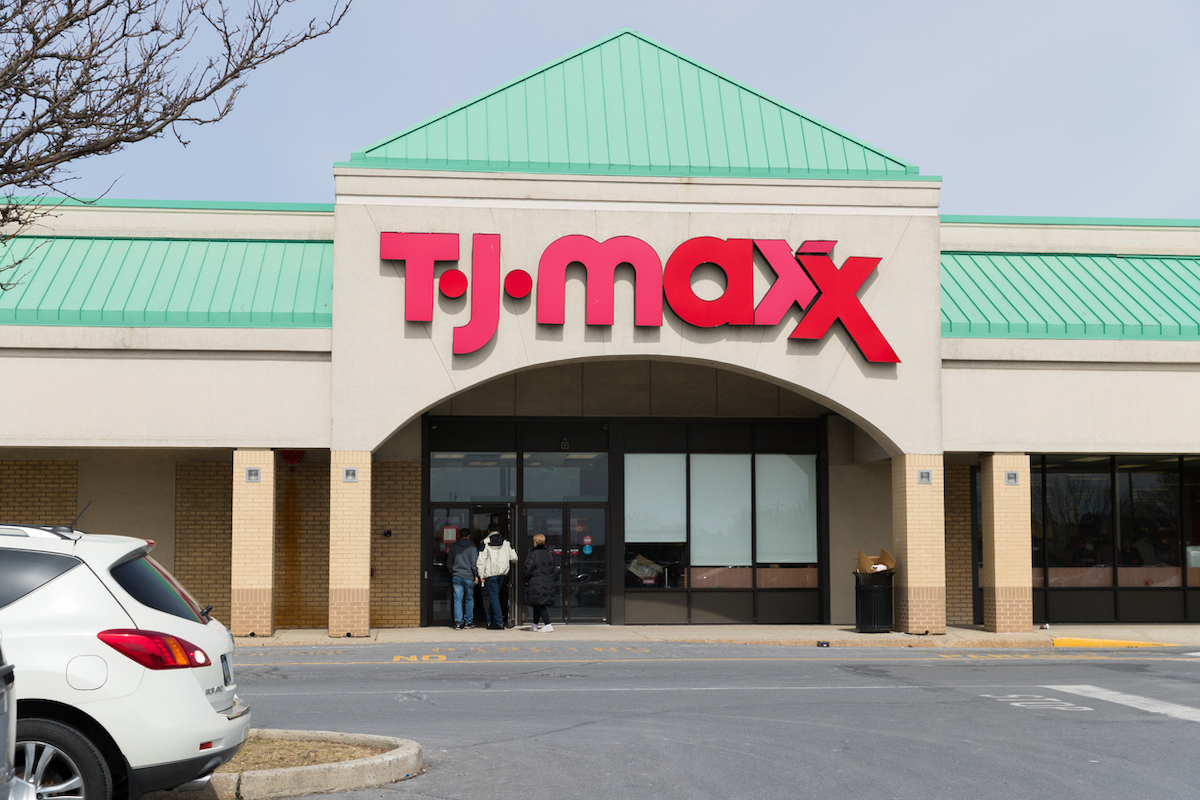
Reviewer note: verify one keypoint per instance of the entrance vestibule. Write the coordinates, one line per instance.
(647, 520)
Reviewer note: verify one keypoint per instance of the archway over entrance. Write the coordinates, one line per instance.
(854, 498)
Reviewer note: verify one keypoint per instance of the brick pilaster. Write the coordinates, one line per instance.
(349, 544)
(919, 541)
(1007, 574)
(252, 571)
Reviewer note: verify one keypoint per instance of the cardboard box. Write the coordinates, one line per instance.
(868, 563)
(644, 568)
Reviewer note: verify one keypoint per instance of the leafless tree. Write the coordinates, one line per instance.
(82, 78)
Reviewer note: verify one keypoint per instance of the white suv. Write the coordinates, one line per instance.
(124, 684)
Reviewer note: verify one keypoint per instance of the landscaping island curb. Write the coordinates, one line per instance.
(402, 760)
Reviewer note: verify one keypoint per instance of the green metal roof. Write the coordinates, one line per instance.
(629, 106)
(131, 282)
(1057, 296)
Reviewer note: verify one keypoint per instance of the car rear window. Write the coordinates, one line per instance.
(151, 585)
(22, 571)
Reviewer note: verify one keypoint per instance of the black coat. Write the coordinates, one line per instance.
(539, 577)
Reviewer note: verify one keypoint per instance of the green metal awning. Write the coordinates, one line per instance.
(168, 283)
(629, 106)
(1065, 296)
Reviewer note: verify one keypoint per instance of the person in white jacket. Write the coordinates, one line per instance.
(494, 562)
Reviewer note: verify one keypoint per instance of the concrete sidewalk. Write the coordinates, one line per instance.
(1093, 635)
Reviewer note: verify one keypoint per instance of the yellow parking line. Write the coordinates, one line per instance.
(1070, 642)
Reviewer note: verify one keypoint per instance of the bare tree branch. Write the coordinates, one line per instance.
(83, 78)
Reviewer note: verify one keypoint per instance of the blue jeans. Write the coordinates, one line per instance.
(464, 591)
(494, 615)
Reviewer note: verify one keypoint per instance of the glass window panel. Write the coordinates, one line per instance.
(1080, 577)
(473, 477)
(787, 577)
(564, 477)
(721, 577)
(1035, 515)
(656, 497)
(1191, 519)
(1078, 522)
(785, 488)
(655, 565)
(1149, 531)
(720, 510)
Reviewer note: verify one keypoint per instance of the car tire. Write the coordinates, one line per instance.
(72, 762)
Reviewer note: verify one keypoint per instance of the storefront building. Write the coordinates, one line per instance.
(707, 346)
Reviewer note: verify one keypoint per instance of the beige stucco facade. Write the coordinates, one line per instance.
(376, 351)
(156, 426)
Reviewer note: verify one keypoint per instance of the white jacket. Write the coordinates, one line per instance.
(495, 559)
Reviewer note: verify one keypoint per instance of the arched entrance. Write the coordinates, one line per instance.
(669, 492)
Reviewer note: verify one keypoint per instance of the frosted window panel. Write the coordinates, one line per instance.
(721, 510)
(656, 498)
(786, 508)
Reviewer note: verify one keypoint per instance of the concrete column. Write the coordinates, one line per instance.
(919, 541)
(1007, 575)
(349, 543)
(252, 573)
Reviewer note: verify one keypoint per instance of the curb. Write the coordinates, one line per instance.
(403, 760)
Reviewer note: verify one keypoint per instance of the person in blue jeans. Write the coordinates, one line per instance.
(494, 562)
(464, 575)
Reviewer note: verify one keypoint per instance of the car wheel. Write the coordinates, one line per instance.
(60, 762)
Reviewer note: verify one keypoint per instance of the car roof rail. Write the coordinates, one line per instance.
(51, 532)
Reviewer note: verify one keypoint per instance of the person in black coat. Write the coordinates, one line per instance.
(539, 584)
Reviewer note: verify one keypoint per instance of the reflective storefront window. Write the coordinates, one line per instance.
(473, 477)
(1079, 529)
(1191, 519)
(1035, 494)
(1148, 534)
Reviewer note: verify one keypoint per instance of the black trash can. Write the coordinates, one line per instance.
(873, 601)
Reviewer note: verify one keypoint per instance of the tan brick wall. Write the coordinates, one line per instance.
(204, 532)
(252, 560)
(959, 592)
(396, 560)
(919, 539)
(302, 545)
(1007, 572)
(349, 544)
(39, 492)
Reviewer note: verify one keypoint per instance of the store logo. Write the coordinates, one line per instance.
(808, 278)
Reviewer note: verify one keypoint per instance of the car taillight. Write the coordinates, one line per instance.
(155, 650)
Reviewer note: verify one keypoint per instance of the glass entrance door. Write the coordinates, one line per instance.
(447, 524)
(576, 536)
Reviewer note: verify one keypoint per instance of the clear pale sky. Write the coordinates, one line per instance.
(1024, 108)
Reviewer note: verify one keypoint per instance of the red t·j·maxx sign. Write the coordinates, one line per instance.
(807, 277)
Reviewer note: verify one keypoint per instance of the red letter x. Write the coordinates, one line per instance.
(839, 300)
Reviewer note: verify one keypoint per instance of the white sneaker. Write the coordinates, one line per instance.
(533, 627)
(546, 628)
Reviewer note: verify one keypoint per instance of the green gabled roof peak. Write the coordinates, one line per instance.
(629, 106)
